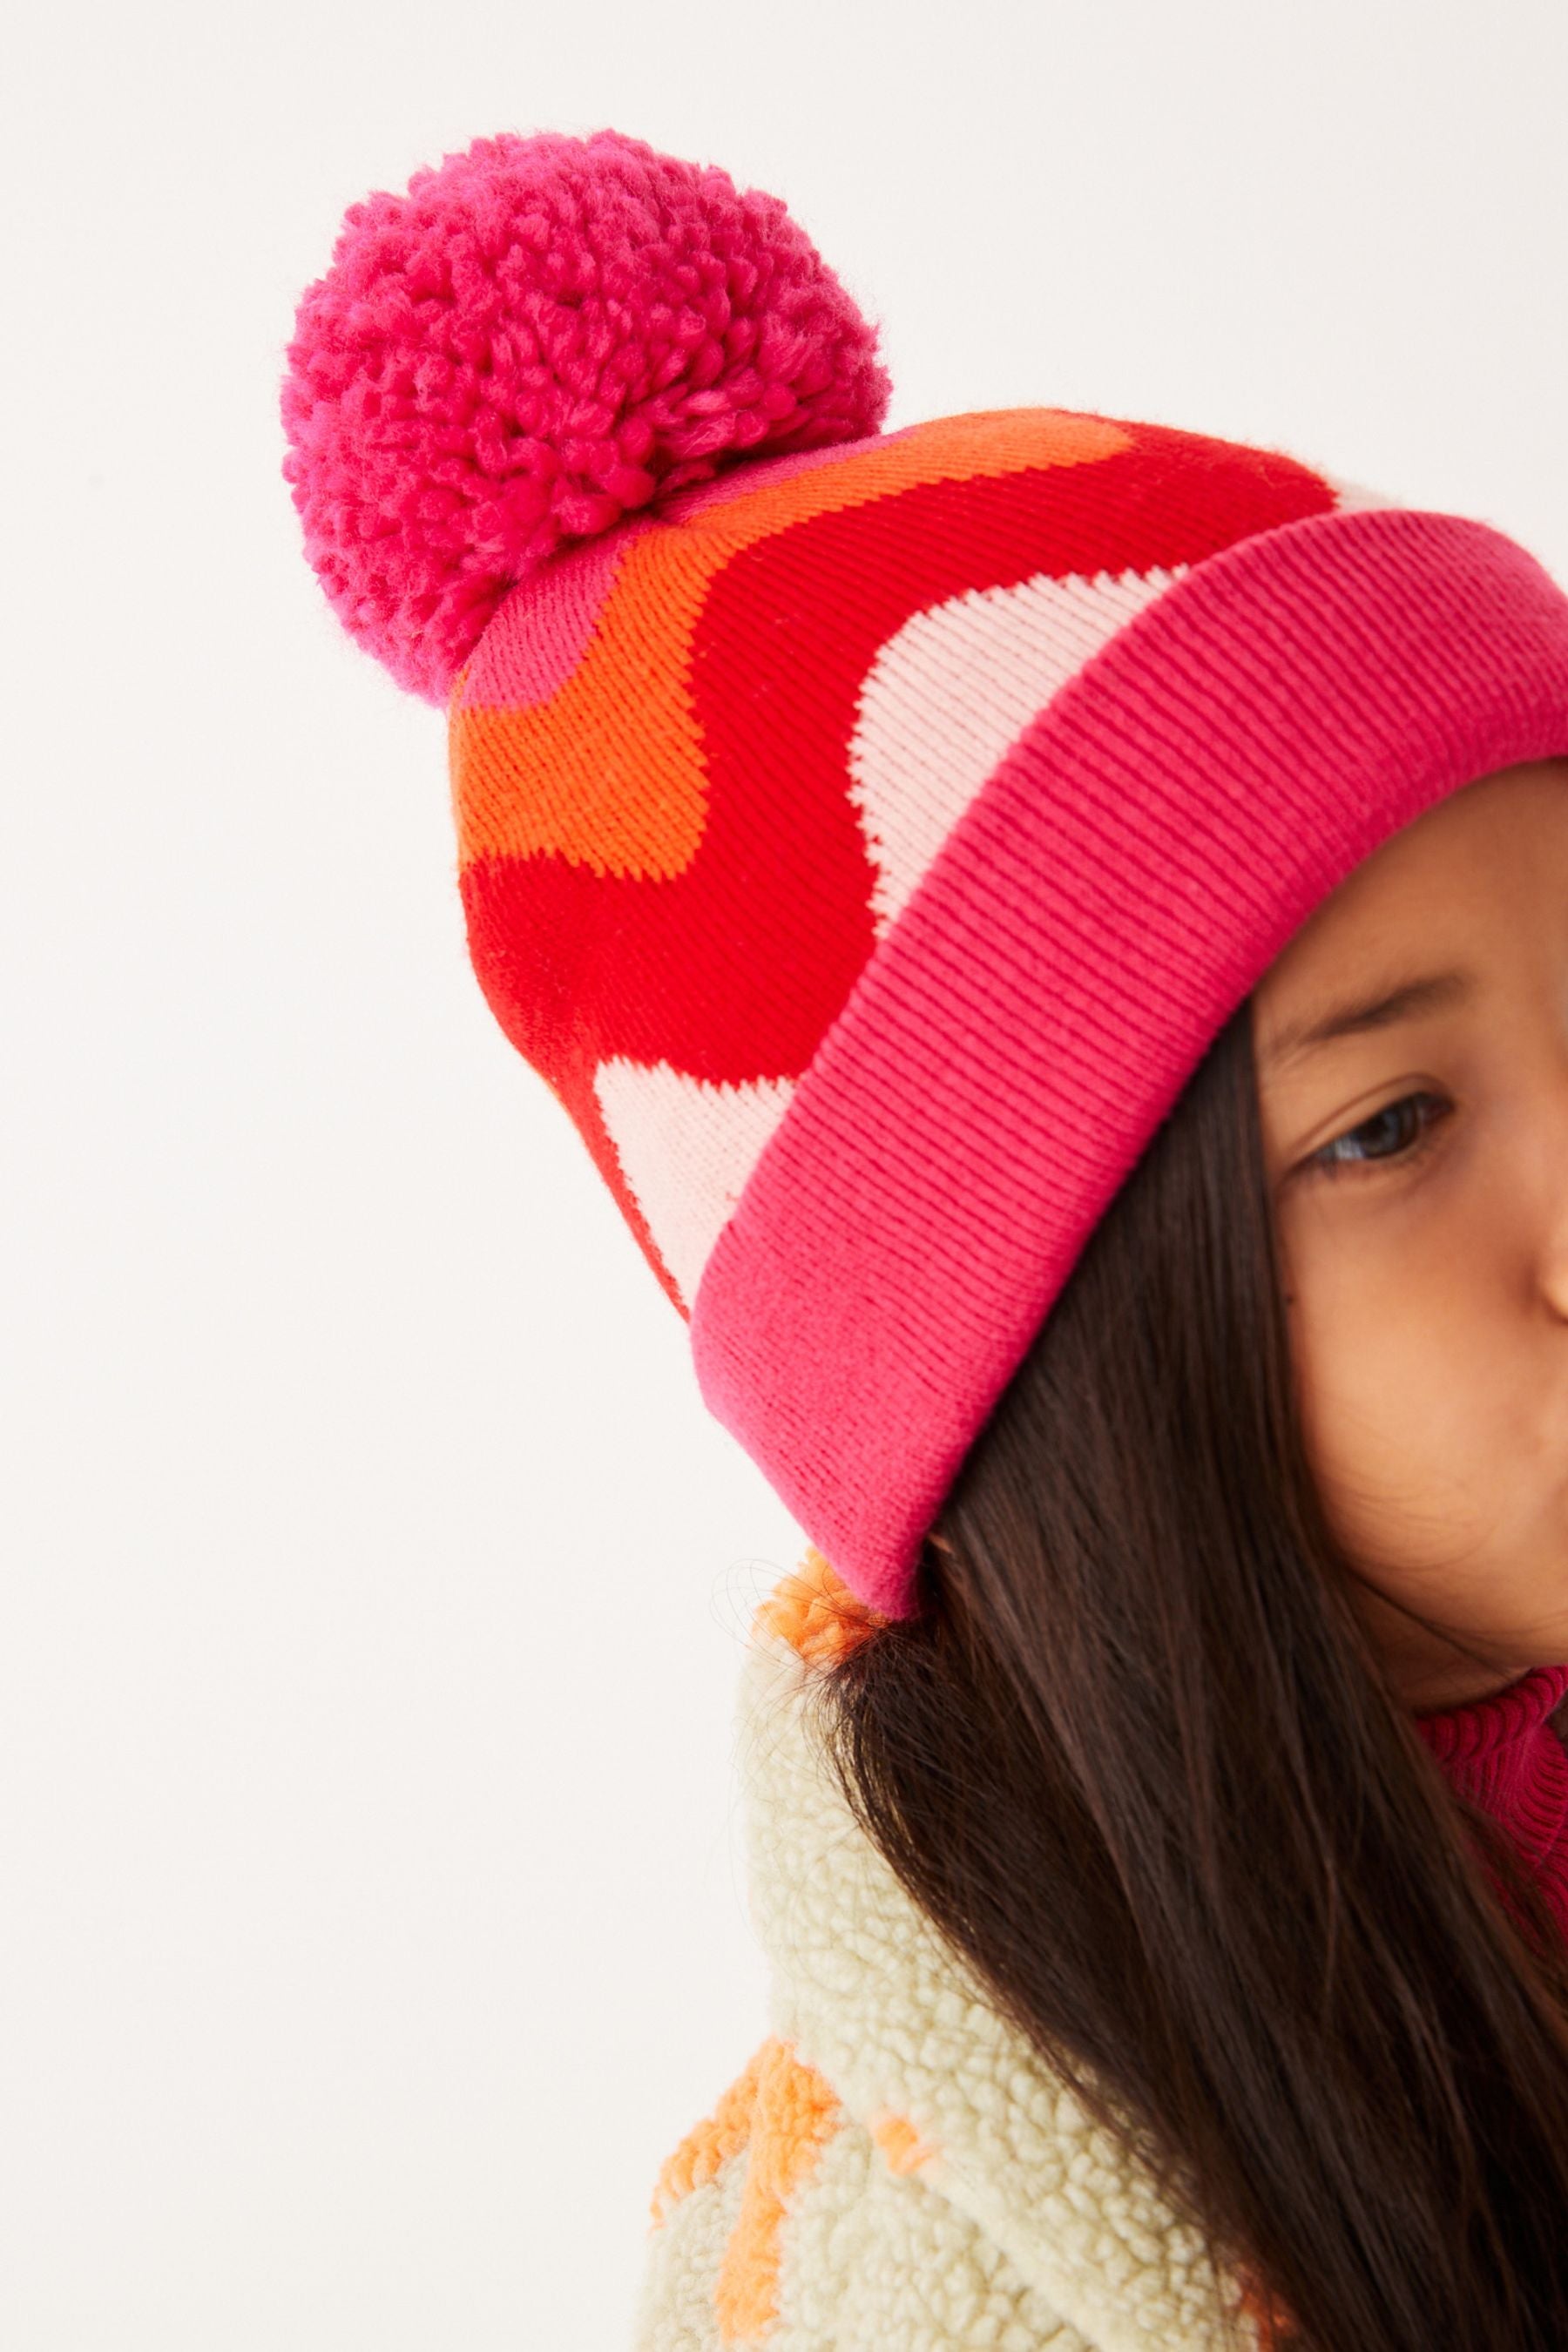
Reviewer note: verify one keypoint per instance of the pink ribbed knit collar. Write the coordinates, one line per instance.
(1501, 1753)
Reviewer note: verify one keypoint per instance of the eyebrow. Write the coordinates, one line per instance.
(1391, 1002)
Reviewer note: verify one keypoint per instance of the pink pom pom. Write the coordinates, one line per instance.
(543, 335)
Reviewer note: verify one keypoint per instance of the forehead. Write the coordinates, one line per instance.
(1488, 860)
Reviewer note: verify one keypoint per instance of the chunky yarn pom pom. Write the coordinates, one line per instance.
(543, 335)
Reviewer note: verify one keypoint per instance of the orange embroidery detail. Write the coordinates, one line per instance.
(795, 2115)
(1269, 2315)
(710, 2143)
(566, 776)
(901, 2143)
(815, 1613)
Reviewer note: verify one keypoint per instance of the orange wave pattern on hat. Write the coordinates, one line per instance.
(670, 885)
(608, 771)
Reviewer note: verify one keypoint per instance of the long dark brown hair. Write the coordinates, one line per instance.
(1135, 1756)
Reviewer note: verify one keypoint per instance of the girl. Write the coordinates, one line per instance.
(1053, 930)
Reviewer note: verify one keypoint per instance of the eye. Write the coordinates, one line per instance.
(1401, 1130)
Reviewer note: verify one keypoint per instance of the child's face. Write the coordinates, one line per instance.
(1427, 1271)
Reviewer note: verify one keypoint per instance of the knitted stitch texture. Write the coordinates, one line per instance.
(865, 842)
(1503, 1754)
(867, 849)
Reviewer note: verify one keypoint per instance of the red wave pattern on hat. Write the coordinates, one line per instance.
(731, 963)
(543, 335)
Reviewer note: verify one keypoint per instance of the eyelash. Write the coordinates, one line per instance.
(1326, 1165)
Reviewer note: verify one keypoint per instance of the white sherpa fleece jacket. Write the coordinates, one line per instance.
(896, 2170)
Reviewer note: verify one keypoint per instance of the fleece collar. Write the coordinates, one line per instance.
(870, 1997)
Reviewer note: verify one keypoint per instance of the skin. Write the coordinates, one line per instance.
(1425, 1241)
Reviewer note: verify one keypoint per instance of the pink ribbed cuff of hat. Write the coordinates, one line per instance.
(1127, 874)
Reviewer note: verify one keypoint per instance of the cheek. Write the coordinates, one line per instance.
(1401, 1402)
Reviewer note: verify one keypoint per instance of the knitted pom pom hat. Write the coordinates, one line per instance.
(865, 835)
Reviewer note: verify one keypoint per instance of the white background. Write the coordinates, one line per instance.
(372, 1917)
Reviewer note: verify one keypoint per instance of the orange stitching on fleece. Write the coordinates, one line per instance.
(710, 2143)
(796, 2115)
(901, 2143)
(1269, 2315)
(815, 1613)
